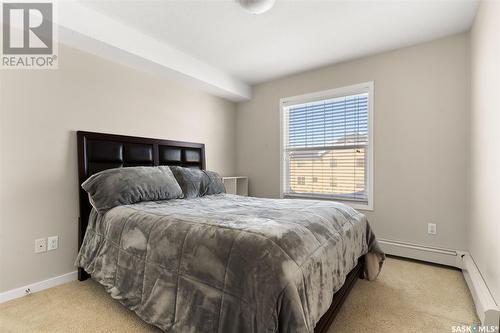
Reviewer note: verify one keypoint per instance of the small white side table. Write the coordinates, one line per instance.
(236, 185)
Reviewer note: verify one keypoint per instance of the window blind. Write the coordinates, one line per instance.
(325, 148)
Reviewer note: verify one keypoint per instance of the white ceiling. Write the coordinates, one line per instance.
(294, 36)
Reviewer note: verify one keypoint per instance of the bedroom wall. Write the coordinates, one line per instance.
(484, 226)
(40, 112)
(420, 136)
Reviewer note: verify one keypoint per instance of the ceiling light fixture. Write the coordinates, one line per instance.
(257, 6)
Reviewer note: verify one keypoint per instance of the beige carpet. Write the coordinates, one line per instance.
(407, 297)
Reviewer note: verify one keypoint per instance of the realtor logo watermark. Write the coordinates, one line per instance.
(474, 329)
(28, 36)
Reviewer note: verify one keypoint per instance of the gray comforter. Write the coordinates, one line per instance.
(225, 263)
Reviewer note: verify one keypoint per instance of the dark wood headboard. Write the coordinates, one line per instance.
(100, 151)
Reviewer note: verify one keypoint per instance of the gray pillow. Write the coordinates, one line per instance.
(197, 183)
(123, 186)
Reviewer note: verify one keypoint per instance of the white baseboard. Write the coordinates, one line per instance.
(421, 252)
(486, 308)
(38, 286)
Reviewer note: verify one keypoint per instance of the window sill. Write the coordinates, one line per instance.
(356, 205)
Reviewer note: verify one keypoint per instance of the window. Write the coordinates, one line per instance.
(327, 136)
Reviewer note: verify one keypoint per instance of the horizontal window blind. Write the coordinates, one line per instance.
(325, 148)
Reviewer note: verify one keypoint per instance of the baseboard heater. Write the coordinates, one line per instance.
(421, 252)
(486, 308)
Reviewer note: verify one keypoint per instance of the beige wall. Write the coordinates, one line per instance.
(420, 136)
(484, 227)
(40, 112)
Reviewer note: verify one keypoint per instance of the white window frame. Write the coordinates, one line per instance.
(365, 87)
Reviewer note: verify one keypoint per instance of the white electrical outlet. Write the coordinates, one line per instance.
(40, 245)
(52, 243)
(431, 228)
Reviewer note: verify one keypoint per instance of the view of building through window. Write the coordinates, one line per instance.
(313, 172)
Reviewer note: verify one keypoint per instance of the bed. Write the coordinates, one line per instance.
(219, 263)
